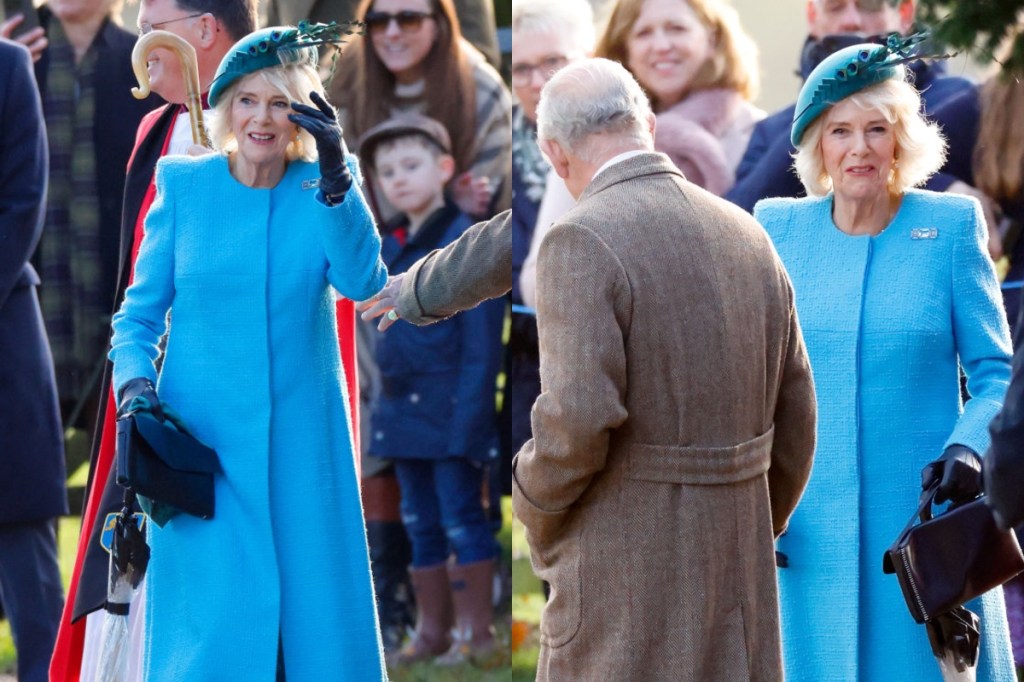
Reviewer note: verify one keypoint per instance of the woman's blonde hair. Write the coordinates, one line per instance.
(293, 80)
(734, 65)
(920, 146)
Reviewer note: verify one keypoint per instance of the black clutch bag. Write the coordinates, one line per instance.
(945, 561)
(162, 461)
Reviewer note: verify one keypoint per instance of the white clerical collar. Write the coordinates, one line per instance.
(619, 159)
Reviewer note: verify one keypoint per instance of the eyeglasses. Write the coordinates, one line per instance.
(146, 27)
(408, 20)
(522, 73)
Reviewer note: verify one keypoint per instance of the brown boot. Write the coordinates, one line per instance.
(472, 589)
(433, 618)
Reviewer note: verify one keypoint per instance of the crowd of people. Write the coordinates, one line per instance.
(736, 344)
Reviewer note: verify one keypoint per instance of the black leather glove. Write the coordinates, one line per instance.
(1003, 473)
(958, 472)
(135, 388)
(322, 124)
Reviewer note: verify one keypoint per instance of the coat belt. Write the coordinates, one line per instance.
(696, 465)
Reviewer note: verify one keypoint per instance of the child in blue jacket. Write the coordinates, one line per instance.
(435, 417)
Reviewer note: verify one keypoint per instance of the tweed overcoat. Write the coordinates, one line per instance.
(252, 365)
(890, 321)
(672, 438)
(475, 267)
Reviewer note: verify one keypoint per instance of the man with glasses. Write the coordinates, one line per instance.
(211, 27)
(767, 166)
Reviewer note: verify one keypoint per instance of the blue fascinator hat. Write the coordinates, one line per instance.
(849, 71)
(274, 46)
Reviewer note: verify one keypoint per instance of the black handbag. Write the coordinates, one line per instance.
(947, 560)
(160, 460)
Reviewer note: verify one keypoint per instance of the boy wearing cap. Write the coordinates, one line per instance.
(435, 416)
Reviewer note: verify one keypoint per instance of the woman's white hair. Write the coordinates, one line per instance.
(920, 145)
(591, 98)
(293, 79)
(574, 18)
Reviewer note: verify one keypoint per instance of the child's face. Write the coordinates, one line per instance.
(412, 176)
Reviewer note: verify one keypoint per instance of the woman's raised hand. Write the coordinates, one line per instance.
(322, 123)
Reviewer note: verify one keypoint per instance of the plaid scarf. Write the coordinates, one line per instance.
(530, 165)
(75, 310)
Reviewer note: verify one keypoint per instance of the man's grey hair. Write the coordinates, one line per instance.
(592, 103)
(574, 18)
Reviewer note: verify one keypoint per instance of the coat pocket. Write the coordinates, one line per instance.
(559, 564)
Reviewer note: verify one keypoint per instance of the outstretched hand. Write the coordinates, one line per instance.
(322, 123)
(384, 302)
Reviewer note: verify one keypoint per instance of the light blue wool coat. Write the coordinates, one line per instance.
(885, 319)
(252, 365)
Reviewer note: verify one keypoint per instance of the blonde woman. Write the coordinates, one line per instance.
(895, 293)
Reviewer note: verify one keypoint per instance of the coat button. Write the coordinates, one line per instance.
(414, 397)
(379, 435)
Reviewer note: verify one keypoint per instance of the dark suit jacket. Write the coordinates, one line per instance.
(767, 166)
(31, 443)
(116, 116)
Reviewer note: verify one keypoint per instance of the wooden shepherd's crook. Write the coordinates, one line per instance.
(189, 73)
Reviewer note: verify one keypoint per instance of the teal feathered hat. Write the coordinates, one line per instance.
(850, 70)
(278, 45)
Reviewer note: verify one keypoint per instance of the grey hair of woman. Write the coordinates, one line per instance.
(573, 18)
(590, 102)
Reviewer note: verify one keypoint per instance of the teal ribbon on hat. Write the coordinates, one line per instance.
(263, 49)
(852, 69)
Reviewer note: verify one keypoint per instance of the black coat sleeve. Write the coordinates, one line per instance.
(23, 167)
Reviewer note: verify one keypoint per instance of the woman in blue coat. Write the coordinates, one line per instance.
(896, 293)
(244, 249)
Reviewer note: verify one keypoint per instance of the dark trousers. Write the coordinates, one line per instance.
(443, 512)
(32, 593)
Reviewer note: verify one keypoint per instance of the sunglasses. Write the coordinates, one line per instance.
(408, 20)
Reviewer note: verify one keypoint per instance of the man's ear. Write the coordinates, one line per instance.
(812, 16)
(556, 155)
(206, 30)
(907, 9)
(446, 166)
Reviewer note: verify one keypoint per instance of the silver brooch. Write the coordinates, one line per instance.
(924, 233)
(310, 184)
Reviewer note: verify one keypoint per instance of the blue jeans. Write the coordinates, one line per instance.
(442, 511)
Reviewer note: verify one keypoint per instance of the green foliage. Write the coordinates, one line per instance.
(979, 28)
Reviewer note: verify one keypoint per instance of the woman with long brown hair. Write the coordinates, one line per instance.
(413, 58)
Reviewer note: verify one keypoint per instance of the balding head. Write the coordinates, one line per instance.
(595, 108)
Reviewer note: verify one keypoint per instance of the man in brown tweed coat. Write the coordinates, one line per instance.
(675, 429)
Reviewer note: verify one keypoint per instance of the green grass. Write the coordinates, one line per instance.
(424, 672)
